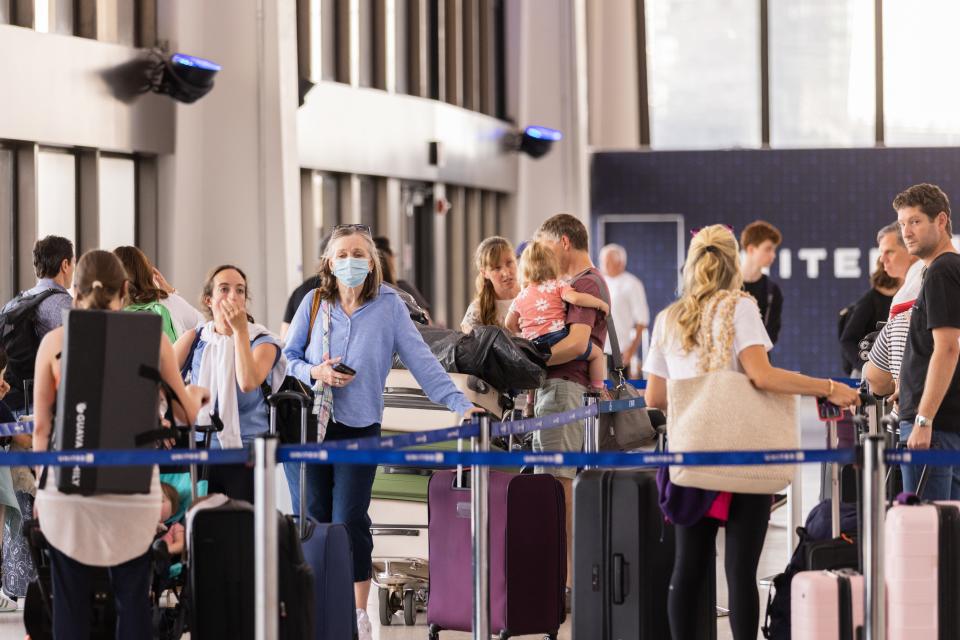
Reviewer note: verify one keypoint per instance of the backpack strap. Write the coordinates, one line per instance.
(314, 310)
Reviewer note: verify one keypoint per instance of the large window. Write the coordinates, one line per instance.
(921, 88)
(57, 194)
(822, 73)
(118, 201)
(704, 73)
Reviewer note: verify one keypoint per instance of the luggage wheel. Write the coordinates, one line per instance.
(394, 599)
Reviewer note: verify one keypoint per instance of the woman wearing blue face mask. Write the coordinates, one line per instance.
(360, 323)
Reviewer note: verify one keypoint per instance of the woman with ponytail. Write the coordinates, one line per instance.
(497, 284)
(691, 337)
(102, 530)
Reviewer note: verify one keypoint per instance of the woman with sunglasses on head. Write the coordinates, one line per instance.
(240, 362)
(104, 530)
(693, 336)
(345, 356)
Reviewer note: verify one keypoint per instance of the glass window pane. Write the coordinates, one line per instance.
(118, 203)
(7, 237)
(54, 16)
(57, 194)
(328, 39)
(920, 85)
(367, 48)
(704, 70)
(822, 73)
(402, 35)
(368, 202)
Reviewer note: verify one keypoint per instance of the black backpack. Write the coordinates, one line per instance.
(19, 339)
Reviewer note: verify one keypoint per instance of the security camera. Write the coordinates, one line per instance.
(535, 141)
(182, 77)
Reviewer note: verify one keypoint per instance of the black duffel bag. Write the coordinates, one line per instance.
(489, 353)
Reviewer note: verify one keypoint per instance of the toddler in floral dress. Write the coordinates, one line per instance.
(539, 312)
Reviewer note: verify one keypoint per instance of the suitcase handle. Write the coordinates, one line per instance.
(619, 579)
(281, 396)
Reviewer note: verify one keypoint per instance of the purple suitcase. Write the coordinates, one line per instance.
(527, 555)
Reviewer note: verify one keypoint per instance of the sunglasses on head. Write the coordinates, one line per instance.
(362, 228)
(694, 232)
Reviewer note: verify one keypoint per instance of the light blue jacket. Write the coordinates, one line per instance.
(366, 342)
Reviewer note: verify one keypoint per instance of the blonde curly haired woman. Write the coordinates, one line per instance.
(714, 325)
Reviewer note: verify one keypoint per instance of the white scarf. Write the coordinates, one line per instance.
(218, 373)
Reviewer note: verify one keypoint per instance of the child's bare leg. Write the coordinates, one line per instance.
(598, 367)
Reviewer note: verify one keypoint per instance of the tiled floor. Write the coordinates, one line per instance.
(772, 561)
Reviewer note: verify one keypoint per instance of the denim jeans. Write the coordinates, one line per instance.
(340, 493)
(943, 483)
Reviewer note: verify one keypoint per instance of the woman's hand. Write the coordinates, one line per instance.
(324, 372)
(4, 388)
(844, 396)
(473, 411)
(161, 283)
(235, 315)
(200, 395)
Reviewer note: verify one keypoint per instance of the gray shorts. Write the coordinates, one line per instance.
(554, 396)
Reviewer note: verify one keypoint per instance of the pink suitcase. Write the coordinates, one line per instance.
(826, 604)
(922, 565)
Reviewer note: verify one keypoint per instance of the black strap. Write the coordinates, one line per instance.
(618, 365)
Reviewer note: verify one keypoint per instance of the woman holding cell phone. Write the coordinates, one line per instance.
(345, 354)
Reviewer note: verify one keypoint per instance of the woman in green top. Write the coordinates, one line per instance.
(142, 293)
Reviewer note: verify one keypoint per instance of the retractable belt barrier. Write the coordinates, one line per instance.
(324, 454)
(265, 455)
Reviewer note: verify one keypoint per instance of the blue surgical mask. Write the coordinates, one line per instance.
(351, 271)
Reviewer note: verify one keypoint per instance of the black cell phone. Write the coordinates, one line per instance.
(828, 411)
(344, 369)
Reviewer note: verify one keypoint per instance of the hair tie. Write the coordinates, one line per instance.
(96, 284)
(711, 249)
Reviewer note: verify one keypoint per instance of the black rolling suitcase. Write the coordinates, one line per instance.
(622, 560)
(220, 547)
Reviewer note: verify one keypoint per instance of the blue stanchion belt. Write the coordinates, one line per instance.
(325, 454)
(318, 454)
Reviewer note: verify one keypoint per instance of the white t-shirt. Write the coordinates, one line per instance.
(628, 307)
(182, 313)
(668, 360)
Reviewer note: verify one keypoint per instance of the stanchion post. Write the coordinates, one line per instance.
(480, 534)
(874, 510)
(591, 424)
(266, 585)
(834, 440)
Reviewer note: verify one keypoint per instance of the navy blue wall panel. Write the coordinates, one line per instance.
(820, 199)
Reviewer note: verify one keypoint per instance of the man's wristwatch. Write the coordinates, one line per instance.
(921, 421)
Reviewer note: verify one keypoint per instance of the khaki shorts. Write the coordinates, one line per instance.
(555, 396)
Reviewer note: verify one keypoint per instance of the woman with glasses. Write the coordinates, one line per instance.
(345, 356)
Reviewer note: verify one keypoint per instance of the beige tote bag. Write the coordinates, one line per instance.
(722, 411)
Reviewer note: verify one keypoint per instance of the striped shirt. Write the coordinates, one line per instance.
(887, 351)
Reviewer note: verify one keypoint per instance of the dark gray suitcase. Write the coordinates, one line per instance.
(622, 560)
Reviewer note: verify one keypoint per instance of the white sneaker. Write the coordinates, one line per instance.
(364, 628)
(9, 606)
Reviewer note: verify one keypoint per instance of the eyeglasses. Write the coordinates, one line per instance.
(694, 232)
(362, 228)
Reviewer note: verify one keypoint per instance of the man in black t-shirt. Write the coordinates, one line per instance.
(759, 241)
(929, 376)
